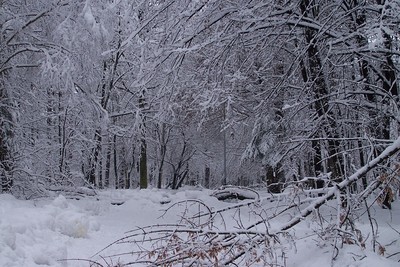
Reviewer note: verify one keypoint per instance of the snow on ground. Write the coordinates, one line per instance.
(46, 232)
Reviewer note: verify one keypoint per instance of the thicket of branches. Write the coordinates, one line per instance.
(129, 93)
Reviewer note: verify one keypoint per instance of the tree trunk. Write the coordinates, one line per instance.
(93, 160)
(143, 146)
(163, 149)
(207, 177)
(359, 20)
(6, 134)
(132, 168)
(274, 177)
(389, 77)
(115, 161)
(108, 165)
(327, 122)
(143, 164)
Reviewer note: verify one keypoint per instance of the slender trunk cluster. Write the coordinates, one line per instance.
(6, 135)
(315, 78)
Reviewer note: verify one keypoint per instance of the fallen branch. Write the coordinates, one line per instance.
(387, 153)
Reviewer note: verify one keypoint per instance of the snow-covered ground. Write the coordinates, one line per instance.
(59, 231)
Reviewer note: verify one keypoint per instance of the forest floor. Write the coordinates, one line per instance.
(62, 231)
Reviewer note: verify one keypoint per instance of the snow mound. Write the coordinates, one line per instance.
(38, 232)
(71, 222)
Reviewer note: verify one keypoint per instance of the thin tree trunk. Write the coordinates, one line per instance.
(143, 146)
(61, 134)
(207, 175)
(359, 20)
(6, 134)
(163, 149)
(132, 167)
(143, 164)
(389, 77)
(93, 161)
(100, 178)
(108, 165)
(115, 158)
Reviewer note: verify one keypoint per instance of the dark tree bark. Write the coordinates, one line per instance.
(93, 160)
(207, 177)
(115, 160)
(181, 168)
(163, 149)
(6, 134)
(143, 146)
(143, 164)
(388, 72)
(327, 124)
(107, 85)
(388, 67)
(108, 165)
(274, 178)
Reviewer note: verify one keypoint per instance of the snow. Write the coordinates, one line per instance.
(58, 231)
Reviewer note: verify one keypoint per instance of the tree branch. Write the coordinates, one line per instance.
(387, 153)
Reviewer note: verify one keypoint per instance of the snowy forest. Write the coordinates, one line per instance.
(162, 94)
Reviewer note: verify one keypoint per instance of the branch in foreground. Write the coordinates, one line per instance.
(387, 153)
